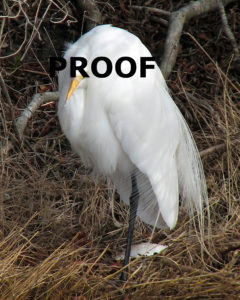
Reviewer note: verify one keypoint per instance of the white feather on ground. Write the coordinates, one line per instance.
(146, 249)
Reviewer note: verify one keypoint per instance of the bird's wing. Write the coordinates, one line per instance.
(144, 121)
(148, 209)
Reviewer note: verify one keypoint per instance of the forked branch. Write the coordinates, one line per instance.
(176, 22)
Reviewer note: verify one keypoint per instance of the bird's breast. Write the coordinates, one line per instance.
(87, 127)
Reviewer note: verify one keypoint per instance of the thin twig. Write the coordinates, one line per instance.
(12, 17)
(1, 32)
(20, 47)
(36, 29)
(159, 20)
(212, 149)
(216, 148)
(41, 65)
(65, 11)
(236, 86)
(5, 91)
(152, 9)
(3, 117)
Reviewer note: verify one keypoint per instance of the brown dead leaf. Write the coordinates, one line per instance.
(43, 88)
(203, 36)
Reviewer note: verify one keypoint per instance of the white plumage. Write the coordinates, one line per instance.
(123, 125)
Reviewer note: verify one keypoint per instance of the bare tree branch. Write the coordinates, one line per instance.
(176, 23)
(228, 30)
(37, 100)
(21, 123)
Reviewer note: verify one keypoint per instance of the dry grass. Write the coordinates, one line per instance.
(57, 236)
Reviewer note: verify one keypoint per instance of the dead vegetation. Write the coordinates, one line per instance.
(57, 236)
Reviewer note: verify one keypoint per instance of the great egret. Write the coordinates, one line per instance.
(130, 130)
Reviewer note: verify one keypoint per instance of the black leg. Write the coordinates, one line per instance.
(133, 212)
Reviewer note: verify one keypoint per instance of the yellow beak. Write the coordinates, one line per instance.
(73, 86)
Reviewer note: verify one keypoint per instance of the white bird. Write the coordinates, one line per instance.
(131, 131)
